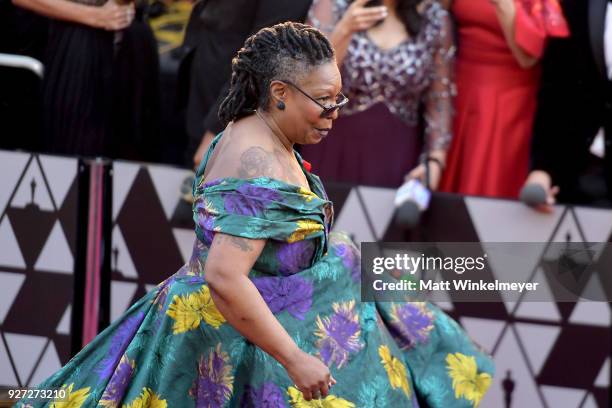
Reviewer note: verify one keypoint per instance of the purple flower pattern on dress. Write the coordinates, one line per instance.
(115, 389)
(295, 257)
(162, 292)
(411, 323)
(339, 334)
(212, 183)
(124, 334)
(266, 396)
(249, 200)
(293, 294)
(197, 260)
(214, 385)
(350, 259)
(206, 223)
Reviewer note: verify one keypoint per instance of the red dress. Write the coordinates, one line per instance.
(496, 98)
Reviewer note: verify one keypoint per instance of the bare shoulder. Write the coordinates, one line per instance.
(246, 153)
(257, 161)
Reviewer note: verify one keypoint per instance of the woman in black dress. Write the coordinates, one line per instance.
(81, 87)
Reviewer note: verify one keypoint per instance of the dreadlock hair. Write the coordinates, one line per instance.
(286, 51)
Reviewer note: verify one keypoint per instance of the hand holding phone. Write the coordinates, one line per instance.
(362, 15)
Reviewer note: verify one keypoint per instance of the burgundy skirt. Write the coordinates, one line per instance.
(373, 147)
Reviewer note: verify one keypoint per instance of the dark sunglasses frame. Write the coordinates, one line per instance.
(328, 111)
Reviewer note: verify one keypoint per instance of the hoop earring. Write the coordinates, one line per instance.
(280, 105)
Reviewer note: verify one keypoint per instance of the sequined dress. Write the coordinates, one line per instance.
(400, 101)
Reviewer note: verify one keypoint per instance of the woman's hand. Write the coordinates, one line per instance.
(359, 18)
(506, 14)
(112, 16)
(506, 5)
(544, 180)
(309, 375)
(505, 8)
(435, 173)
(356, 18)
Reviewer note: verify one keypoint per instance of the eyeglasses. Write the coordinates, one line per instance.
(328, 111)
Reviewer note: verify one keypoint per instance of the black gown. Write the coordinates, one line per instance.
(77, 90)
(98, 94)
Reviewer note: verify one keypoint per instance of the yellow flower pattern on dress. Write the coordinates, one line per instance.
(396, 370)
(304, 228)
(331, 401)
(73, 399)
(467, 383)
(147, 399)
(189, 310)
(339, 334)
(308, 195)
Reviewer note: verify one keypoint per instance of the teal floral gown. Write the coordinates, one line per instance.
(173, 348)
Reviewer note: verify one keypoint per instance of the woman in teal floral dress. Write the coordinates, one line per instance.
(267, 312)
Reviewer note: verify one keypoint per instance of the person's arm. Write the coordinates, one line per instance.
(550, 124)
(212, 126)
(514, 26)
(110, 16)
(227, 267)
(438, 112)
(207, 138)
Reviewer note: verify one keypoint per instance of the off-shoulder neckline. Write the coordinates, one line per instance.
(200, 172)
(253, 180)
(310, 178)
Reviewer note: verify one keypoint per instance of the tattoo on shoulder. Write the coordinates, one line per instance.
(241, 243)
(255, 162)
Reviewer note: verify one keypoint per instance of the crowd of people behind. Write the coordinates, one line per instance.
(475, 97)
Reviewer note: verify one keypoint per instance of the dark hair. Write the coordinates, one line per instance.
(284, 52)
(407, 10)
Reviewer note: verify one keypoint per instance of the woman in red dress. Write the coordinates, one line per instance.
(497, 77)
